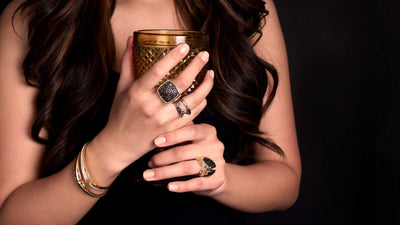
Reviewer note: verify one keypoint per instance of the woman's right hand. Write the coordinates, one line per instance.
(138, 115)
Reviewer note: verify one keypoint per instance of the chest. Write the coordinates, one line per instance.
(129, 17)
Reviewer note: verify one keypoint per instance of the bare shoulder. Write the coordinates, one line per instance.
(20, 155)
(271, 46)
(13, 31)
(13, 45)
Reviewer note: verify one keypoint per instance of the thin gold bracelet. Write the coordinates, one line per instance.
(82, 177)
(85, 172)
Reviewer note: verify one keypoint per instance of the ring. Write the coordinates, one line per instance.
(182, 112)
(207, 166)
(168, 91)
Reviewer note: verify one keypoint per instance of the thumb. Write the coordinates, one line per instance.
(126, 78)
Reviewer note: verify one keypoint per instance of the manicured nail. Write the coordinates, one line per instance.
(184, 48)
(172, 187)
(211, 72)
(159, 140)
(204, 56)
(148, 174)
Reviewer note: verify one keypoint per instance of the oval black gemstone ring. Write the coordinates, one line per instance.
(207, 166)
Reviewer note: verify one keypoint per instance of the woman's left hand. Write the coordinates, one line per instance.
(200, 141)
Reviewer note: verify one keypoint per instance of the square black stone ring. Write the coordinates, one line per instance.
(168, 91)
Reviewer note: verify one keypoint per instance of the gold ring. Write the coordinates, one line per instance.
(207, 166)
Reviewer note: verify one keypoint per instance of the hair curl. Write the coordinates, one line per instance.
(72, 50)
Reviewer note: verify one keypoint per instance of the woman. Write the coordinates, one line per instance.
(66, 80)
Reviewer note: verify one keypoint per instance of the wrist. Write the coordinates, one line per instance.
(100, 167)
(104, 159)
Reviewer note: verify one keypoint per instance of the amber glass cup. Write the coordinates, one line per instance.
(152, 45)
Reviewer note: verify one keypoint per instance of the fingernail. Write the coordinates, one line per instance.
(128, 41)
(159, 140)
(211, 73)
(204, 56)
(184, 48)
(148, 174)
(172, 187)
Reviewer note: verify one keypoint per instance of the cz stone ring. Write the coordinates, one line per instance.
(168, 91)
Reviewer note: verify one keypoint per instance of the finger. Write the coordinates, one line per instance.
(199, 184)
(186, 133)
(171, 113)
(162, 67)
(195, 101)
(126, 76)
(185, 168)
(185, 79)
(188, 151)
(201, 92)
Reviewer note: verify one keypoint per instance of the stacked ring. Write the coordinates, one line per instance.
(207, 166)
(181, 110)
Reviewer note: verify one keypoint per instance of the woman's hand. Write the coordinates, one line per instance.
(200, 140)
(138, 114)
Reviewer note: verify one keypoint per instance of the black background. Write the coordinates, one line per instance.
(344, 60)
(344, 63)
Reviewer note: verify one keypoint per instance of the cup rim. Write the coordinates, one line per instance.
(169, 32)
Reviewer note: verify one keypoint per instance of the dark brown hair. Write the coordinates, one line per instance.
(72, 51)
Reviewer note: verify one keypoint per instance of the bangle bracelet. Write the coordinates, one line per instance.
(83, 178)
(85, 173)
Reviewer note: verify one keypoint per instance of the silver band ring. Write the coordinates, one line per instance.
(168, 91)
(207, 166)
(181, 110)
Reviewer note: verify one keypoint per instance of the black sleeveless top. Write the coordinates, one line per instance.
(131, 200)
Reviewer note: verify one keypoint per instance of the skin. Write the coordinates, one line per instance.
(272, 183)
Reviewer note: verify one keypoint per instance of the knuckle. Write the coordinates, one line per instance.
(192, 130)
(179, 153)
(198, 184)
(187, 169)
(160, 120)
(175, 56)
(209, 129)
(212, 130)
(180, 84)
(220, 146)
(155, 161)
(156, 70)
(147, 111)
(161, 173)
(198, 62)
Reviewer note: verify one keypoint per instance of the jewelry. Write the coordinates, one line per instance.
(207, 166)
(181, 111)
(168, 91)
(85, 173)
(83, 178)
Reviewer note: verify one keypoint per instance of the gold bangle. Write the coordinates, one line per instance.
(85, 172)
(83, 179)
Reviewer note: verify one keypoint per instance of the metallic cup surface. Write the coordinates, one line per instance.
(151, 45)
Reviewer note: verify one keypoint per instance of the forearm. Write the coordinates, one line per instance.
(261, 187)
(56, 199)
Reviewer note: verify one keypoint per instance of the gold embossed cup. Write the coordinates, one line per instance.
(151, 45)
